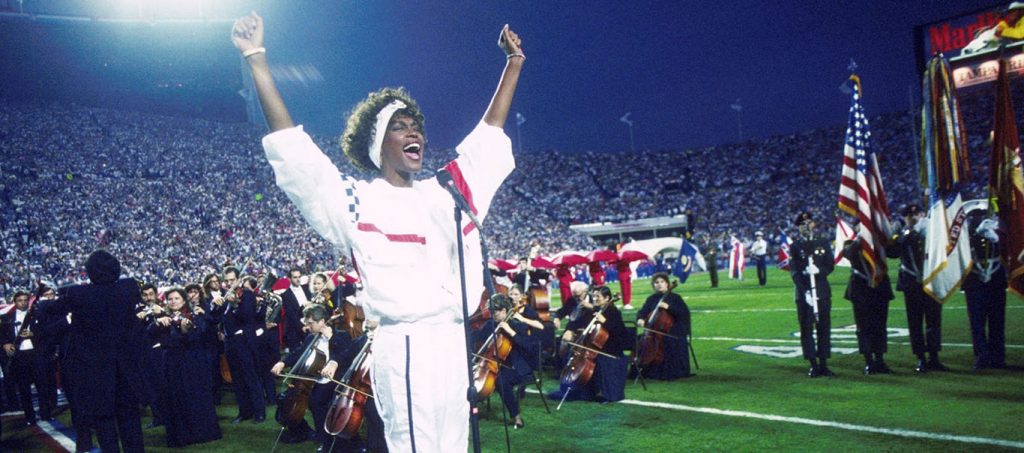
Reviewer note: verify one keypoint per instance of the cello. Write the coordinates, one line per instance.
(491, 357)
(292, 405)
(581, 365)
(345, 414)
(651, 346)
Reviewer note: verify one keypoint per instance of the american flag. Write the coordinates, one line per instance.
(784, 243)
(861, 193)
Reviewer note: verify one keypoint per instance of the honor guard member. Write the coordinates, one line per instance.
(711, 258)
(811, 263)
(924, 314)
(985, 291)
(759, 250)
(870, 309)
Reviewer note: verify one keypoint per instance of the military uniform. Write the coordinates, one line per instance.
(807, 250)
(870, 310)
(924, 314)
(985, 291)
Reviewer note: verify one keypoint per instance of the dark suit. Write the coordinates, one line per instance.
(322, 394)
(291, 321)
(241, 348)
(103, 357)
(32, 366)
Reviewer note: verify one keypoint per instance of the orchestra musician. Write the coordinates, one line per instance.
(294, 299)
(237, 312)
(152, 359)
(189, 413)
(401, 233)
(336, 366)
(332, 345)
(676, 361)
(28, 361)
(512, 321)
(609, 380)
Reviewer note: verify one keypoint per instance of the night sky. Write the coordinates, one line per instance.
(677, 66)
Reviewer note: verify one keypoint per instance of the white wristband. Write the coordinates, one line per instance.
(254, 51)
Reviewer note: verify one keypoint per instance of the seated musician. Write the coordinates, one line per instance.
(528, 314)
(675, 363)
(608, 383)
(331, 344)
(517, 327)
(338, 366)
(569, 310)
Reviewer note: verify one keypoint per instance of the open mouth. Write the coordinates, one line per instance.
(413, 151)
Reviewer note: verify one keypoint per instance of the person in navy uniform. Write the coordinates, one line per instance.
(104, 353)
(924, 314)
(332, 345)
(514, 323)
(870, 309)
(676, 362)
(811, 258)
(985, 291)
(237, 312)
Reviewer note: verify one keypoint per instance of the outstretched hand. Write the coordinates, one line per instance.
(509, 42)
(247, 33)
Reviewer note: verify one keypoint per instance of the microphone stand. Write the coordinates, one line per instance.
(471, 394)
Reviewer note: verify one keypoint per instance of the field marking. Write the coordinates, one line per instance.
(793, 310)
(797, 340)
(832, 424)
(56, 435)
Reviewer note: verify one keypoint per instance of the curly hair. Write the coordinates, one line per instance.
(355, 141)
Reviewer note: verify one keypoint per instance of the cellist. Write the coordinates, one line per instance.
(510, 322)
(609, 381)
(330, 343)
(676, 362)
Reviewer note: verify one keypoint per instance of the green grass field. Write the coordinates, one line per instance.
(742, 401)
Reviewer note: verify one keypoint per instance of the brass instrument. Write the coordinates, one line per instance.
(271, 299)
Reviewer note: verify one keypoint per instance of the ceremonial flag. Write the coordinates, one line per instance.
(737, 259)
(861, 193)
(944, 167)
(844, 232)
(687, 258)
(1006, 184)
(783, 257)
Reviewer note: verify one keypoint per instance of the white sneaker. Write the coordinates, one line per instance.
(628, 307)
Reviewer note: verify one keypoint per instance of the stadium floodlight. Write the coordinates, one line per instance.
(625, 119)
(738, 108)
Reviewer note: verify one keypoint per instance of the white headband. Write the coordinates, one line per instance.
(380, 128)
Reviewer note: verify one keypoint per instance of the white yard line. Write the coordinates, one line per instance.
(833, 424)
(797, 341)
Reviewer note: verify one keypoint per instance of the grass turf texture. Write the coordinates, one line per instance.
(962, 402)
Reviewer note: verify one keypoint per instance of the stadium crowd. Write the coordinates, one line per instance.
(178, 198)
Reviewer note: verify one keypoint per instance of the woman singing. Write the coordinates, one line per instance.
(401, 233)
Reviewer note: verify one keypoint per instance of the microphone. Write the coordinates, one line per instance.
(444, 178)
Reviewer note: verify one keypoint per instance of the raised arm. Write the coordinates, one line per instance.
(247, 35)
(497, 110)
